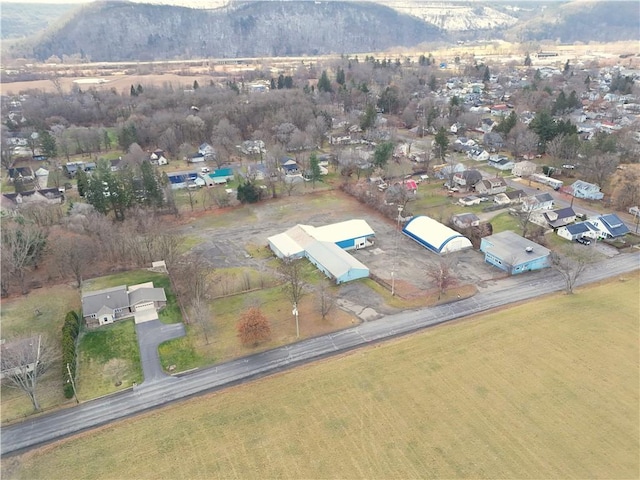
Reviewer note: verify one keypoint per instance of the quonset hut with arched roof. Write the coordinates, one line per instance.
(435, 236)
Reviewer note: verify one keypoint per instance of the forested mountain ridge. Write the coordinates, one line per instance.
(124, 31)
(114, 31)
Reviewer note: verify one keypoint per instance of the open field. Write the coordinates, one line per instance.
(539, 390)
(182, 73)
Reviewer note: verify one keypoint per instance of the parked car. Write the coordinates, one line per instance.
(583, 241)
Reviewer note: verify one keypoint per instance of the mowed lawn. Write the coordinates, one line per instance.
(548, 389)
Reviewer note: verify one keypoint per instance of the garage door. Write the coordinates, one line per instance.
(144, 306)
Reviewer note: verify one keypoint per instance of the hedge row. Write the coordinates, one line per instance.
(70, 331)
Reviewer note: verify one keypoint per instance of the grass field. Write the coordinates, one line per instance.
(221, 329)
(108, 356)
(548, 389)
(20, 319)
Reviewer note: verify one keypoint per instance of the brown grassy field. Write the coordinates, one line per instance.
(179, 74)
(547, 389)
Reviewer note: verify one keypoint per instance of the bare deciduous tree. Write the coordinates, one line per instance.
(325, 298)
(72, 254)
(225, 136)
(23, 246)
(294, 286)
(442, 274)
(570, 269)
(201, 314)
(23, 361)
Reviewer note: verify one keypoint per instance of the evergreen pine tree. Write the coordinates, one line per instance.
(324, 84)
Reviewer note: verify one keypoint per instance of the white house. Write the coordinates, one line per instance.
(524, 168)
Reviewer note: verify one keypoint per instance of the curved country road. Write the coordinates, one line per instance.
(46, 428)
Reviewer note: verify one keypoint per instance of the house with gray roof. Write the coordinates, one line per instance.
(111, 304)
(577, 230)
(582, 189)
(609, 226)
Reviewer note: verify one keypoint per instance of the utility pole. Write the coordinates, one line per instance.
(73, 384)
(295, 314)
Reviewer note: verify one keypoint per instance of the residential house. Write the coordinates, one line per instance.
(252, 147)
(465, 220)
(500, 110)
(514, 254)
(195, 158)
(470, 200)
(20, 173)
(493, 141)
(111, 304)
(553, 219)
(11, 202)
(491, 186)
(409, 184)
(42, 172)
(500, 162)
(609, 226)
(501, 199)
(486, 125)
(577, 230)
(207, 151)
(114, 164)
(524, 168)
(516, 196)
(157, 158)
(467, 142)
(446, 170)
(478, 155)
(467, 178)
(581, 189)
(289, 166)
(71, 168)
(542, 201)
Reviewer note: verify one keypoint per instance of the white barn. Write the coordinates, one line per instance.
(435, 236)
(325, 247)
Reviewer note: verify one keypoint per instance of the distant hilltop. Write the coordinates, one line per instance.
(125, 31)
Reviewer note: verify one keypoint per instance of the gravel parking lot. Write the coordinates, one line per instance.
(229, 246)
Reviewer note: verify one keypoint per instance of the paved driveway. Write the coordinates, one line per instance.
(150, 335)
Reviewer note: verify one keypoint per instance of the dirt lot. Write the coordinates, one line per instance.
(226, 238)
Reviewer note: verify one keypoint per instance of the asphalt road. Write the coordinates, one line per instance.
(46, 428)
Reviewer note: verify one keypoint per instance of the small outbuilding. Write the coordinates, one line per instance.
(514, 254)
(435, 236)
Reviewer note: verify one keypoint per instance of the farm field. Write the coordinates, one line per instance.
(540, 390)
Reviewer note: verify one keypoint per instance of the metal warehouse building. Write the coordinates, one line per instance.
(514, 254)
(435, 236)
(325, 247)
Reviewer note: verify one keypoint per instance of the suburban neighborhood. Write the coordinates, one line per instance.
(175, 233)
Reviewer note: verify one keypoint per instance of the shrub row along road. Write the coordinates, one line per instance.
(91, 414)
